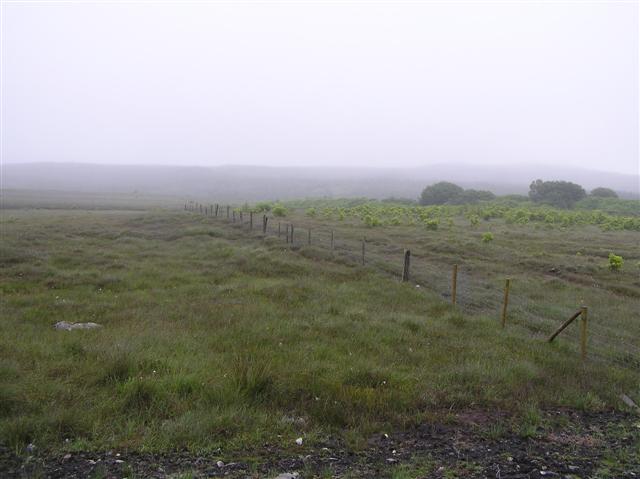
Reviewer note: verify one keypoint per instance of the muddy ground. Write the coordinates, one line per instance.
(564, 444)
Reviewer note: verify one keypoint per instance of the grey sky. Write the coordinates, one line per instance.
(335, 84)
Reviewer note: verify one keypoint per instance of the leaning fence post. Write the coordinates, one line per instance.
(583, 333)
(216, 209)
(454, 284)
(507, 284)
(405, 269)
(363, 241)
(264, 224)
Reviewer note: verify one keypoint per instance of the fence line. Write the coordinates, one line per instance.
(461, 288)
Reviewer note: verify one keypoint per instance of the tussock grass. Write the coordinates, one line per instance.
(211, 339)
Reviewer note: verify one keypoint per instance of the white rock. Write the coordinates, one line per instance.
(66, 326)
(220, 464)
(288, 475)
(299, 441)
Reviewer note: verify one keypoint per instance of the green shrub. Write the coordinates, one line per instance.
(474, 220)
(279, 210)
(487, 237)
(432, 224)
(615, 262)
(263, 206)
(311, 212)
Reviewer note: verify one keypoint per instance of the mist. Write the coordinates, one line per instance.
(328, 85)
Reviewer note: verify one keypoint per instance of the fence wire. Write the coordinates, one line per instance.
(478, 292)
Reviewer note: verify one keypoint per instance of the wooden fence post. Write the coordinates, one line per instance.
(234, 215)
(309, 236)
(240, 216)
(331, 240)
(565, 324)
(363, 241)
(227, 211)
(507, 285)
(264, 224)
(405, 269)
(583, 332)
(216, 210)
(250, 220)
(291, 238)
(278, 229)
(454, 284)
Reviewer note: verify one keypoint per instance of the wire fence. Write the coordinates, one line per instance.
(477, 291)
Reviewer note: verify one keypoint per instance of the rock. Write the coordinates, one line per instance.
(299, 441)
(66, 326)
(288, 475)
(31, 447)
(220, 464)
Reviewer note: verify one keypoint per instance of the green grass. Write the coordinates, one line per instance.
(215, 339)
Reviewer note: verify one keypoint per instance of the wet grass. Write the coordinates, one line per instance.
(213, 339)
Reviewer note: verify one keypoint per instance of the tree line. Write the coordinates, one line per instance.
(561, 194)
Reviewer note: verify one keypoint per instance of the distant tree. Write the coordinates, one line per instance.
(603, 193)
(562, 194)
(440, 193)
(473, 196)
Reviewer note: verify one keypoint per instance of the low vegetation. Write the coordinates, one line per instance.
(213, 338)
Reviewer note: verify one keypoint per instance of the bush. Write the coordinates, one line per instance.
(372, 221)
(604, 193)
(474, 220)
(615, 262)
(279, 210)
(487, 237)
(431, 224)
(440, 193)
(263, 206)
(311, 212)
(562, 194)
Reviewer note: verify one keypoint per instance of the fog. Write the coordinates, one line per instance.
(322, 84)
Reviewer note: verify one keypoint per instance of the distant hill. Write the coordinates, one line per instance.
(251, 183)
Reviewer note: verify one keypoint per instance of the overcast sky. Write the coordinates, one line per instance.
(322, 83)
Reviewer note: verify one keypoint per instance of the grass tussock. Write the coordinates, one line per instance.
(211, 339)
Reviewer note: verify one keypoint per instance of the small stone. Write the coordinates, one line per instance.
(31, 447)
(287, 475)
(510, 459)
(220, 464)
(573, 468)
(299, 441)
(66, 326)
(391, 460)
(119, 461)
(66, 457)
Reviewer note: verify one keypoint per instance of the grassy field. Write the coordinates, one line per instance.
(219, 340)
